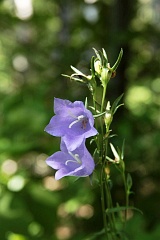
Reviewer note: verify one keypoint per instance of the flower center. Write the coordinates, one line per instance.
(75, 159)
(82, 119)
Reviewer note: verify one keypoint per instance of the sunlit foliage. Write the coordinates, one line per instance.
(38, 42)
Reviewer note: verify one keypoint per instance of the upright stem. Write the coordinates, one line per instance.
(106, 199)
(127, 198)
(103, 202)
(103, 98)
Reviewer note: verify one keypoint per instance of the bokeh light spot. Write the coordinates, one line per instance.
(137, 98)
(20, 63)
(51, 184)
(91, 14)
(16, 183)
(34, 229)
(9, 166)
(64, 232)
(24, 9)
(85, 211)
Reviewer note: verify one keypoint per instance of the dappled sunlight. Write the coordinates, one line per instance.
(147, 13)
(64, 232)
(9, 167)
(91, 14)
(156, 88)
(14, 236)
(138, 98)
(35, 229)
(51, 184)
(85, 211)
(40, 166)
(39, 40)
(16, 183)
(20, 63)
(24, 9)
(90, 1)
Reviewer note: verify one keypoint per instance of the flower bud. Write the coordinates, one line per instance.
(108, 115)
(115, 153)
(105, 76)
(97, 66)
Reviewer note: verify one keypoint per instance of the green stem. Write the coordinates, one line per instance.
(103, 202)
(103, 98)
(106, 198)
(110, 215)
(127, 197)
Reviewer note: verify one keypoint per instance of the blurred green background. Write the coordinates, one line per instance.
(39, 40)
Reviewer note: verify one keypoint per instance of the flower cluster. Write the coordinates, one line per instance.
(73, 123)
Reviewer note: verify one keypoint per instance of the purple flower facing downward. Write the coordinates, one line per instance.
(73, 122)
(71, 163)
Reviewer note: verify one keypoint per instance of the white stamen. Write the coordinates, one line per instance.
(76, 159)
(72, 123)
(79, 118)
(70, 161)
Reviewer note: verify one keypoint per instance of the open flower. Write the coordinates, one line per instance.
(72, 121)
(72, 163)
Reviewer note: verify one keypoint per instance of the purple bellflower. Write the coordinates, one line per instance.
(71, 163)
(73, 122)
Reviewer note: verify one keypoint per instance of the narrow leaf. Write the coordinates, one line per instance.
(123, 208)
(77, 71)
(92, 66)
(98, 115)
(95, 235)
(110, 159)
(129, 181)
(118, 60)
(86, 102)
(115, 104)
(104, 54)
(97, 54)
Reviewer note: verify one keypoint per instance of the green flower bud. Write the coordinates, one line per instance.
(97, 66)
(108, 115)
(105, 76)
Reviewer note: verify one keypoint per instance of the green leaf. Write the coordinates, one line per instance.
(97, 54)
(104, 54)
(115, 105)
(93, 108)
(110, 159)
(115, 66)
(99, 115)
(92, 66)
(105, 59)
(74, 78)
(113, 135)
(129, 181)
(77, 71)
(122, 208)
(122, 152)
(95, 235)
(86, 102)
(64, 75)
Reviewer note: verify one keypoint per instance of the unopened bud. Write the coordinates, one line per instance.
(97, 66)
(115, 153)
(108, 115)
(104, 76)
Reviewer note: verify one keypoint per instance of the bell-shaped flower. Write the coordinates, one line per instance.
(72, 121)
(71, 163)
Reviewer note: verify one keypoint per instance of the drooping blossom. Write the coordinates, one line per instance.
(72, 121)
(71, 163)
